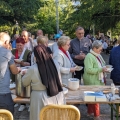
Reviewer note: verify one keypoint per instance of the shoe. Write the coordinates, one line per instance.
(16, 105)
(22, 107)
(97, 118)
(91, 114)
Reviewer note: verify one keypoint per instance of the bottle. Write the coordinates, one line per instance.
(113, 89)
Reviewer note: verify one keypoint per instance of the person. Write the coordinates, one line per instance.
(39, 33)
(57, 36)
(67, 66)
(105, 46)
(43, 40)
(114, 60)
(79, 47)
(60, 32)
(7, 65)
(46, 86)
(14, 41)
(114, 41)
(94, 73)
(21, 53)
(29, 44)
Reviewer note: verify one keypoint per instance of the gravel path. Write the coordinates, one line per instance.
(104, 108)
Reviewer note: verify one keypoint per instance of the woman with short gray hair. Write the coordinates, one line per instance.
(66, 64)
(96, 44)
(94, 73)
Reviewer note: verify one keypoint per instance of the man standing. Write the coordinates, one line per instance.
(39, 32)
(79, 47)
(29, 43)
(7, 65)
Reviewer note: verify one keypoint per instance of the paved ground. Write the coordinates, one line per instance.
(105, 109)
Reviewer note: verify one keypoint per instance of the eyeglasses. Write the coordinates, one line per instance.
(68, 44)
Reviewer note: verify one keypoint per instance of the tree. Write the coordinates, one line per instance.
(105, 14)
(46, 17)
(18, 10)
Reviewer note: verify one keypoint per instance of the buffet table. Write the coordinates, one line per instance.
(76, 97)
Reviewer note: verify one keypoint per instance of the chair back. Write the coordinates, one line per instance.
(5, 115)
(59, 112)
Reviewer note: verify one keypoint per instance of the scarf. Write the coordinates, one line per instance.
(64, 52)
(47, 71)
(21, 56)
(101, 63)
(16, 54)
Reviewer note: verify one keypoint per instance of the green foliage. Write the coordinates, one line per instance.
(41, 14)
(46, 17)
(18, 10)
(104, 14)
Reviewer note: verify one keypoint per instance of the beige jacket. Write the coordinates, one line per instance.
(32, 77)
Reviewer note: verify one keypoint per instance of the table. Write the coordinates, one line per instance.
(79, 100)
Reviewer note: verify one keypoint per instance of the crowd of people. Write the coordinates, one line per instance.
(51, 67)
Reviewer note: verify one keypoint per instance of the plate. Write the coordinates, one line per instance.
(26, 67)
(109, 66)
(23, 70)
(78, 68)
(65, 90)
(109, 69)
(18, 60)
(12, 85)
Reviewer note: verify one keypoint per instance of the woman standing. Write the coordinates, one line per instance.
(94, 73)
(21, 53)
(67, 66)
(46, 86)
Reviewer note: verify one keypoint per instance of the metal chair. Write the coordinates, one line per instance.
(59, 112)
(5, 115)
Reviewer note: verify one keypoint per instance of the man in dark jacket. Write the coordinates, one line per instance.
(79, 47)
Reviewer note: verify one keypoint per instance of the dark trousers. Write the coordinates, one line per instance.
(6, 102)
(78, 74)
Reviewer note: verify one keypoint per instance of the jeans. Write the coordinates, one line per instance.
(6, 102)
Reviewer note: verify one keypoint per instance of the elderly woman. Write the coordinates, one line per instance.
(46, 86)
(94, 73)
(21, 53)
(114, 60)
(67, 66)
(43, 40)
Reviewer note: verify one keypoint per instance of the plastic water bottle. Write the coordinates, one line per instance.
(113, 89)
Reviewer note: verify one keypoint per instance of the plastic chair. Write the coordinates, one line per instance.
(5, 115)
(59, 112)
